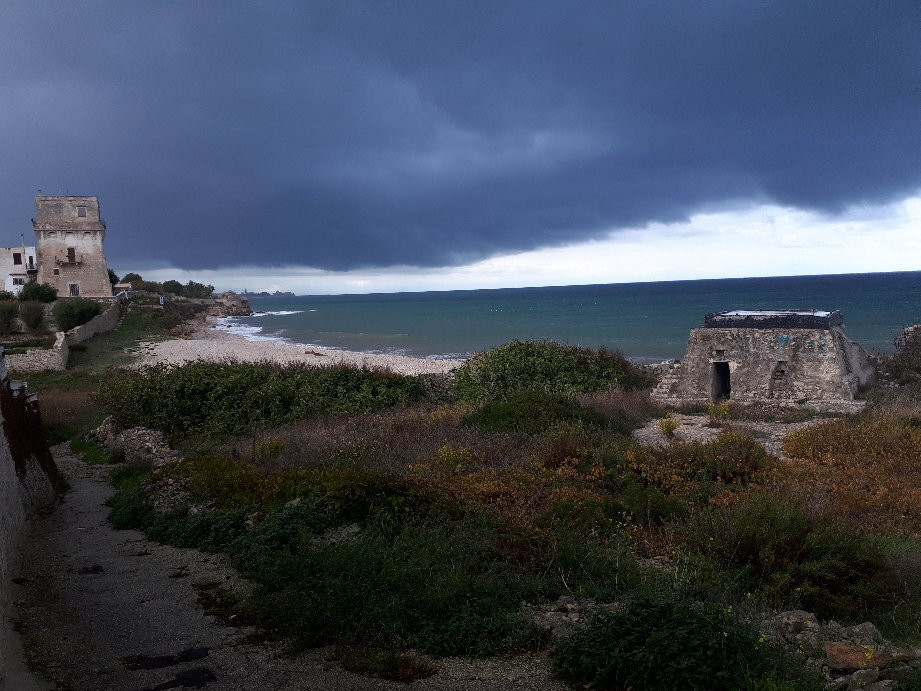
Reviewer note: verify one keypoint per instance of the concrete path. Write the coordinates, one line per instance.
(105, 609)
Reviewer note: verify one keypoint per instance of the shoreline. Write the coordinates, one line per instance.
(207, 342)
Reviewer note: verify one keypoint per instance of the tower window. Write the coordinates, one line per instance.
(81, 211)
(56, 272)
(17, 257)
(71, 255)
(19, 281)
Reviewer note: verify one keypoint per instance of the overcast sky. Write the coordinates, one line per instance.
(350, 146)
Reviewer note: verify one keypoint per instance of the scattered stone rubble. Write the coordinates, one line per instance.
(140, 446)
(563, 617)
(851, 657)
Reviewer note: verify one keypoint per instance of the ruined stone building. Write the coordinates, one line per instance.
(69, 233)
(780, 356)
(17, 267)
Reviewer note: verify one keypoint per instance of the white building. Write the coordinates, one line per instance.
(15, 265)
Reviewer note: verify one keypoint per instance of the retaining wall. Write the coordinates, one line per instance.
(42, 360)
(29, 482)
(106, 321)
(56, 357)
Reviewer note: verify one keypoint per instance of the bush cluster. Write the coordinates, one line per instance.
(74, 312)
(544, 366)
(32, 314)
(532, 412)
(226, 399)
(8, 312)
(794, 560)
(192, 289)
(663, 644)
(39, 292)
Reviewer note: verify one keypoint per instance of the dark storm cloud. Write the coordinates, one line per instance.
(347, 134)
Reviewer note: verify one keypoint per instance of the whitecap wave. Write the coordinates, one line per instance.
(280, 313)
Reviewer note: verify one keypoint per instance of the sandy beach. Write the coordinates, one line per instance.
(209, 343)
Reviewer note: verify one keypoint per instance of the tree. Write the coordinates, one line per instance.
(113, 277)
(197, 290)
(42, 292)
(133, 278)
(9, 310)
(32, 314)
(174, 287)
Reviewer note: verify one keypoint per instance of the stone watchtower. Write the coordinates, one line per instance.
(68, 245)
(778, 356)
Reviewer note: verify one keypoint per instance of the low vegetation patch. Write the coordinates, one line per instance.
(668, 644)
(532, 412)
(544, 366)
(222, 399)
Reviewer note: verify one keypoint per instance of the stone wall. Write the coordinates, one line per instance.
(106, 321)
(774, 365)
(42, 360)
(29, 482)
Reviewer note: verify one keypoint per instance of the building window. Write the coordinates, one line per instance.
(19, 281)
(81, 211)
(71, 255)
(57, 272)
(74, 290)
(17, 257)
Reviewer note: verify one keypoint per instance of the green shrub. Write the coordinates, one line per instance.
(659, 644)
(38, 292)
(73, 312)
(792, 560)
(6, 295)
(173, 287)
(226, 399)
(442, 589)
(8, 312)
(904, 365)
(532, 412)
(668, 425)
(544, 366)
(32, 314)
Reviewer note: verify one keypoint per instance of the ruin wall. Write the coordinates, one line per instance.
(42, 359)
(769, 365)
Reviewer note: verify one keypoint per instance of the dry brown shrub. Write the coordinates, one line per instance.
(863, 471)
(61, 407)
(392, 441)
(633, 407)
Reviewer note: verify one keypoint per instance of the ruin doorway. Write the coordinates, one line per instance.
(720, 386)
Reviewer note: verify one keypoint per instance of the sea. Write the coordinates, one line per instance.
(645, 321)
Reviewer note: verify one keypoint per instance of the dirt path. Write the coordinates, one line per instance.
(106, 609)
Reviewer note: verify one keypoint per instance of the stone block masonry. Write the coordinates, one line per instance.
(69, 233)
(29, 482)
(55, 358)
(736, 359)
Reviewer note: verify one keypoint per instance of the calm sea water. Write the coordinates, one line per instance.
(643, 320)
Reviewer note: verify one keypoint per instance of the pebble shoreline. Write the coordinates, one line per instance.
(209, 343)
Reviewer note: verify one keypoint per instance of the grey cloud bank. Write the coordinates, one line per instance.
(346, 134)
